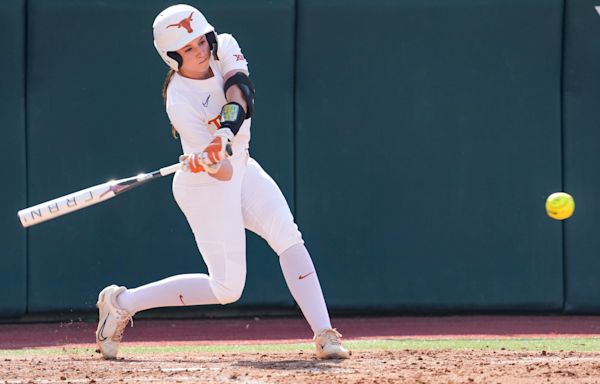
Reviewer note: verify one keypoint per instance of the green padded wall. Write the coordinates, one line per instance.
(13, 272)
(428, 136)
(581, 137)
(95, 113)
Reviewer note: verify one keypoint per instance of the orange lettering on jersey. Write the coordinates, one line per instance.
(215, 122)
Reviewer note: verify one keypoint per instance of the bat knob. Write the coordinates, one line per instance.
(228, 150)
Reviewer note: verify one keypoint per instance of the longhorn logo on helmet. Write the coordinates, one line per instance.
(185, 23)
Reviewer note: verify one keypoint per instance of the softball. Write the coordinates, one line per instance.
(560, 205)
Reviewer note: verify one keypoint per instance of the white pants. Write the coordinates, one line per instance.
(219, 211)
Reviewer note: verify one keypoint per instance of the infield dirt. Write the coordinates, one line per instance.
(70, 365)
(366, 367)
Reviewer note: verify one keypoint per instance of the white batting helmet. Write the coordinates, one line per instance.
(176, 26)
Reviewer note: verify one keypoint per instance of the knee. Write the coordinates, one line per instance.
(284, 235)
(230, 290)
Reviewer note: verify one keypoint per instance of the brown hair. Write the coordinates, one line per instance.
(168, 78)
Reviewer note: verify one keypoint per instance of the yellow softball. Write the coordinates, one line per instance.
(560, 205)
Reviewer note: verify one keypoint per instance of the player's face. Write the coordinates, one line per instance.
(196, 55)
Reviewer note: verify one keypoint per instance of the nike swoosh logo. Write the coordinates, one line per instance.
(205, 103)
(101, 337)
(303, 276)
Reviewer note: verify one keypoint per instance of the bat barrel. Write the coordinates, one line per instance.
(86, 197)
(65, 204)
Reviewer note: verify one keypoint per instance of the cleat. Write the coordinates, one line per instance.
(111, 322)
(329, 345)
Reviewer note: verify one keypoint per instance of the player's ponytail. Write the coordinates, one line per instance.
(168, 78)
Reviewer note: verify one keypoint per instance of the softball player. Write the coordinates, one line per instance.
(221, 190)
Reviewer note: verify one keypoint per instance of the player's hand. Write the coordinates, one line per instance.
(225, 172)
(219, 148)
(192, 162)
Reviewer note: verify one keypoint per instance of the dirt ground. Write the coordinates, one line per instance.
(364, 367)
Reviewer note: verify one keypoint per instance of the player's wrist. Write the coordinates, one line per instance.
(225, 133)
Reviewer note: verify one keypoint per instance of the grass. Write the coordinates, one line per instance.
(518, 344)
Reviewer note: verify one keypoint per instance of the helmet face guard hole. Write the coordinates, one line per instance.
(177, 57)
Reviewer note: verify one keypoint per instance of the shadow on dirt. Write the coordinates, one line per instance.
(292, 365)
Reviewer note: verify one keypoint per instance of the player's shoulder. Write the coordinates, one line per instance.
(230, 54)
(226, 39)
(227, 44)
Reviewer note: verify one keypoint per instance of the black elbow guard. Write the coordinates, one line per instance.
(243, 82)
(232, 117)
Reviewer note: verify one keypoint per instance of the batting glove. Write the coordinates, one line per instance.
(193, 163)
(219, 148)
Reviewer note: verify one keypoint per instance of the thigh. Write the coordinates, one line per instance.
(265, 210)
(213, 211)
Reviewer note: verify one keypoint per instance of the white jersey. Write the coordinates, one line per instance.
(219, 211)
(194, 106)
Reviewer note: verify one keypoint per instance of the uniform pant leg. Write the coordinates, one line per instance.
(267, 213)
(265, 210)
(213, 210)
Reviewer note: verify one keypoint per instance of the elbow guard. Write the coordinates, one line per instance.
(243, 82)
(232, 117)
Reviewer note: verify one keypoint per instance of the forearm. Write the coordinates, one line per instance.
(239, 92)
(234, 94)
(225, 171)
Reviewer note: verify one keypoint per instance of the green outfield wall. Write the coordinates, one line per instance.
(415, 140)
(581, 146)
(446, 118)
(13, 257)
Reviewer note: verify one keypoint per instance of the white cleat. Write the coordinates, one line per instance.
(329, 345)
(111, 322)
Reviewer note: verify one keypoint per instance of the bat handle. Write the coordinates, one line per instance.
(170, 169)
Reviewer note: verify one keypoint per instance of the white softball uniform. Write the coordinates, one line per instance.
(219, 211)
